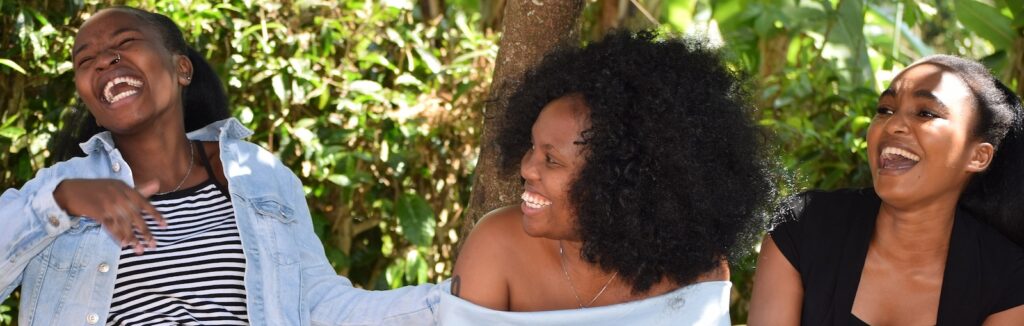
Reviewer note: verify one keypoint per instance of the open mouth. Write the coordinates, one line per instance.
(534, 201)
(897, 159)
(120, 88)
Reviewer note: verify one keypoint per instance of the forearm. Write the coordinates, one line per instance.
(333, 301)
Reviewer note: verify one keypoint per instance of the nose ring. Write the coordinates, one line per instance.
(118, 58)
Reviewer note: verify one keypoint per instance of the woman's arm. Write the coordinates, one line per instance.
(1009, 317)
(479, 275)
(778, 291)
(331, 298)
(30, 219)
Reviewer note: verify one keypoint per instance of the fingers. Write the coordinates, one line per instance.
(148, 188)
(129, 211)
(120, 209)
(140, 200)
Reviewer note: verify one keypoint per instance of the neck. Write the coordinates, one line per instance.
(915, 235)
(159, 153)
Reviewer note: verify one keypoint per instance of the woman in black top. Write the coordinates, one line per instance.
(937, 240)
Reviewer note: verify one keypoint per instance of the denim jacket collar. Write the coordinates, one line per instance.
(228, 128)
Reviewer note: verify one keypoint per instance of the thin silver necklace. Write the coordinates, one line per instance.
(561, 254)
(191, 157)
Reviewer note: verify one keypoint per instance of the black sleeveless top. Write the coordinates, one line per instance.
(825, 235)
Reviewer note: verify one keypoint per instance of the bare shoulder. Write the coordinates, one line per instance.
(1011, 316)
(488, 254)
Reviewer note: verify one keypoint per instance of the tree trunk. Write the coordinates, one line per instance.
(431, 9)
(531, 28)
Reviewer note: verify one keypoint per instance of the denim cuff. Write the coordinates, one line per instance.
(54, 219)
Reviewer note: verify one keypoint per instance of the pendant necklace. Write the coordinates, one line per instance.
(561, 254)
(191, 158)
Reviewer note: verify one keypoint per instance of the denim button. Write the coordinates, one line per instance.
(103, 268)
(116, 167)
(92, 318)
(54, 220)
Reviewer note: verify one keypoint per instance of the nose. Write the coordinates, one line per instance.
(109, 58)
(897, 124)
(528, 166)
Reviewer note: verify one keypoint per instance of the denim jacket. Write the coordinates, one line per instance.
(66, 265)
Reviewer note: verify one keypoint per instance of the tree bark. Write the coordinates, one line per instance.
(531, 28)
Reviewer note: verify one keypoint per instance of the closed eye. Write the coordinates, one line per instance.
(549, 160)
(84, 61)
(928, 114)
(126, 41)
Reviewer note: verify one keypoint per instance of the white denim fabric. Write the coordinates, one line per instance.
(66, 265)
(705, 303)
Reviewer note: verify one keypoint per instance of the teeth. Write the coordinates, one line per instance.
(900, 152)
(534, 201)
(109, 95)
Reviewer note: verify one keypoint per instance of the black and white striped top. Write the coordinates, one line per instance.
(195, 276)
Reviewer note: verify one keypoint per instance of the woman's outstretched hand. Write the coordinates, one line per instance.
(114, 205)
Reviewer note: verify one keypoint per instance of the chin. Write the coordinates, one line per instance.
(894, 191)
(532, 229)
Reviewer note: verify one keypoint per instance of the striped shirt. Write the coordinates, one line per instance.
(195, 276)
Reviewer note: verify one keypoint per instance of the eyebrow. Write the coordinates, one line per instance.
(918, 94)
(888, 92)
(929, 96)
(79, 49)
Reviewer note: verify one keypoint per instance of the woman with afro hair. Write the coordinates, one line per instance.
(643, 173)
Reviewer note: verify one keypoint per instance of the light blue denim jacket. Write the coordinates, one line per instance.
(66, 265)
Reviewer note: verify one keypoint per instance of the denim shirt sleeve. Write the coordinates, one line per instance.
(31, 219)
(334, 301)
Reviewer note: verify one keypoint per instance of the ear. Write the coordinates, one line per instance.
(981, 157)
(184, 66)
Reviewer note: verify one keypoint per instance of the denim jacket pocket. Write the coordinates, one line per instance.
(66, 252)
(275, 220)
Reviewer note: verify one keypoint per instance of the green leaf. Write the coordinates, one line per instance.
(13, 65)
(278, 83)
(1017, 8)
(986, 21)
(847, 43)
(11, 132)
(365, 86)
(416, 219)
(339, 179)
(432, 63)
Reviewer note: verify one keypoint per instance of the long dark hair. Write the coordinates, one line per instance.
(995, 196)
(204, 100)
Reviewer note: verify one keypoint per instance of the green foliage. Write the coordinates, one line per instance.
(377, 112)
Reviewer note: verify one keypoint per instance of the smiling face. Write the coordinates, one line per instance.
(125, 75)
(550, 167)
(920, 146)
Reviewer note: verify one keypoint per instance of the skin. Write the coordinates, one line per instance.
(147, 128)
(929, 112)
(511, 260)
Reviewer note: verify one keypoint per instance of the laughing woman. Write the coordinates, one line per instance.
(643, 172)
(150, 225)
(933, 243)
